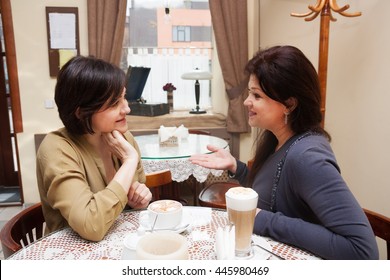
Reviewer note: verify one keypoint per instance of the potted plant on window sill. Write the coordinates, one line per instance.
(169, 88)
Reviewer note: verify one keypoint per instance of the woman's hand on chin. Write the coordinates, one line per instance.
(119, 146)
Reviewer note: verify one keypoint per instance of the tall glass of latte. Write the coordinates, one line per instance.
(241, 204)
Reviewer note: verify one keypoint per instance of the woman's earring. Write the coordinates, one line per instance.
(286, 118)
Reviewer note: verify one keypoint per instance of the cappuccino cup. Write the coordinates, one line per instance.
(163, 214)
(162, 245)
(241, 204)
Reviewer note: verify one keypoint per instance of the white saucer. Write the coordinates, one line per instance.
(183, 226)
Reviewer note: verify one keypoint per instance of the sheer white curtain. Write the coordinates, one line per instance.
(167, 66)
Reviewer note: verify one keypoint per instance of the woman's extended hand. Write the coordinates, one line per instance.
(138, 196)
(220, 159)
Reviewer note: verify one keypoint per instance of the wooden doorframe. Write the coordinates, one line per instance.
(9, 102)
(13, 80)
(8, 176)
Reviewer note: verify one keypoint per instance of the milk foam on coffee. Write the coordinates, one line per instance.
(165, 206)
(241, 199)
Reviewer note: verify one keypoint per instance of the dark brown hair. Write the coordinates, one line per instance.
(84, 85)
(284, 72)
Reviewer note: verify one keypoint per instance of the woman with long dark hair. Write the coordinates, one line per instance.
(303, 199)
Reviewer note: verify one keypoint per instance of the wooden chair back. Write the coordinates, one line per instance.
(381, 226)
(38, 138)
(213, 195)
(156, 180)
(22, 229)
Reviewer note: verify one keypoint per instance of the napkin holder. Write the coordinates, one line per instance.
(136, 78)
(170, 142)
(171, 136)
(225, 243)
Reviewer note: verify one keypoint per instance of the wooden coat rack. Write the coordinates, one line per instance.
(325, 7)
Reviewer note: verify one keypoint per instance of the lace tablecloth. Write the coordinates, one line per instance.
(181, 169)
(65, 244)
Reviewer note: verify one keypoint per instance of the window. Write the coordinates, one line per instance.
(171, 38)
(181, 33)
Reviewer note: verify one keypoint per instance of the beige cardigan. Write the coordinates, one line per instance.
(72, 185)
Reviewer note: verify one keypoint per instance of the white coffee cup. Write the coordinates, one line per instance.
(163, 214)
(163, 245)
(241, 204)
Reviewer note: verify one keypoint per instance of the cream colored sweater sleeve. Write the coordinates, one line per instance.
(73, 188)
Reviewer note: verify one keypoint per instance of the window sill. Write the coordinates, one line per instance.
(177, 118)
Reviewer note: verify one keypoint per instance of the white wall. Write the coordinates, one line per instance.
(29, 20)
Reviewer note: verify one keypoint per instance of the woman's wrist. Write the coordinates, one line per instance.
(125, 173)
(233, 169)
(130, 161)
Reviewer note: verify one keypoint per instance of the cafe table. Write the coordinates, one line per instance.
(156, 157)
(203, 222)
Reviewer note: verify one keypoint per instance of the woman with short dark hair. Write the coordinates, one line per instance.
(90, 170)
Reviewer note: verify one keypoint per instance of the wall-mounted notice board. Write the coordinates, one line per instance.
(62, 36)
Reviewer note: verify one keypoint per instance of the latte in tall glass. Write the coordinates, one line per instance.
(241, 204)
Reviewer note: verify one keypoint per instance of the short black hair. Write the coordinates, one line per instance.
(84, 85)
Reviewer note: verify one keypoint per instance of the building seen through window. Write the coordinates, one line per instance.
(171, 38)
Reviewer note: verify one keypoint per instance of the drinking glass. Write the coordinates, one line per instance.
(241, 204)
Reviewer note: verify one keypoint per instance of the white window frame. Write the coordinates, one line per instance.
(167, 65)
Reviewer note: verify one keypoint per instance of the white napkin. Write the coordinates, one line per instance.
(225, 243)
(181, 132)
(166, 132)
